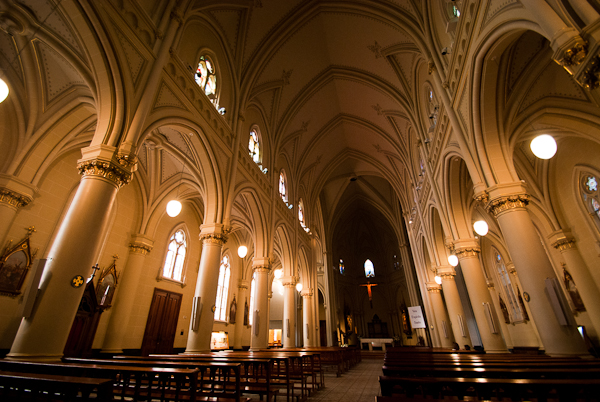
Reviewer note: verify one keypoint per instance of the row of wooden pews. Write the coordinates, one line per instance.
(227, 376)
(441, 373)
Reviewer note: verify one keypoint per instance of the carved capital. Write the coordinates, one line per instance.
(503, 204)
(564, 244)
(213, 238)
(13, 198)
(140, 248)
(433, 287)
(446, 272)
(307, 293)
(242, 284)
(481, 197)
(261, 269)
(467, 252)
(430, 67)
(111, 170)
(572, 55)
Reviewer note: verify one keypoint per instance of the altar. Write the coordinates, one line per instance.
(376, 342)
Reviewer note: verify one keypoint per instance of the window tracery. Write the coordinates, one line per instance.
(254, 146)
(591, 196)
(222, 290)
(341, 267)
(252, 298)
(175, 259)
(206, 78)
(369, 269)
(301, 213)
(283, 186)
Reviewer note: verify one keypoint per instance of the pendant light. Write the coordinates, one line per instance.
(174, 206)
(242, 251)
(3, 90)
(481, 228)
(543, 146)
(453, 260)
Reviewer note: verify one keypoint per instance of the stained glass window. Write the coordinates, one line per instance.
(252, 298)
(507, 287)
(173, 266)
(369, 269)
(342, 269)
(206, 77)
(591, 196)
(254, 146)
(222, 290)
(301, 213)
(282, 186)
(455, 11)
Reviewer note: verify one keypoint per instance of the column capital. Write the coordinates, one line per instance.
(306, 292)
(571, 52)
(433, 287)
(446, 271)
(14, 192)
(466, 248)
(103, 161)
(289, 281)
(140, 244)
(489, 283)
(215, 233)
(562, 240)
(500, 202)
(243, 284)
(260, 263)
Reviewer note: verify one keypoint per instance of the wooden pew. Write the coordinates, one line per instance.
(254, 373)
(135, 383)
(44, 387)
(488, 388)
(502, 372)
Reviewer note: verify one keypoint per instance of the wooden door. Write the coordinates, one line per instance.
(85, 324)
(323, 332)
(162, 323)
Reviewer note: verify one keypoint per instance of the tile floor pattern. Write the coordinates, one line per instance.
(359, 384)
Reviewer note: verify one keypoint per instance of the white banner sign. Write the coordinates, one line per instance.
(416, 317)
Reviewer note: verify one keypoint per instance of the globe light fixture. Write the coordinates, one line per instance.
(453, 260)
(299, 287)
(242, 251)
(3, 90)
(543, 146)
(481, 228)
(438, 279)
(173, 208)
(278, 273)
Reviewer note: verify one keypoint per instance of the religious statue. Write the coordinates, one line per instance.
(572, 290)
(405, 320)
(232, 311)
(246, 312)
(522, 304)
(504, 310)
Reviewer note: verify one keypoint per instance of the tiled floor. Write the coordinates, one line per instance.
(359, 384)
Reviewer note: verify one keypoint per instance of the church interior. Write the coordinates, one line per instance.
(181, 176)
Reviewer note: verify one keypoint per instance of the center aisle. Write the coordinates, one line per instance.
(359, 384)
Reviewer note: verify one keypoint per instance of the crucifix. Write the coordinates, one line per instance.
(369, 285)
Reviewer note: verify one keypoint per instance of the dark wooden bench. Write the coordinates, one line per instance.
(132, 382)
(16, 386)
(502, 372)
(488, 388)
(220, 380)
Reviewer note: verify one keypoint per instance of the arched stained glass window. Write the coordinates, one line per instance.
(301, 213)
(173, 266)
(342, 268)
(206, 77)
(282, 186)
(252, 298)
(591, 196)
(507, 287)
(254, 146)
(222, 290)
(369, 269)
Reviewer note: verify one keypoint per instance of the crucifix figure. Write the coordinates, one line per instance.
(369, 285)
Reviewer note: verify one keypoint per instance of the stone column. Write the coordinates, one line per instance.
(43, 336)
(213, 238)
(467, 251)
(308, 329)
(289, 312)
(455, 309)
(586, 286)
(14, 195)
(508, 203)
(497, 308)
(435, 296)
(239, 324)
(126, 293)
(260, 330)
